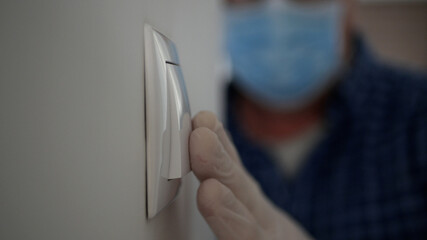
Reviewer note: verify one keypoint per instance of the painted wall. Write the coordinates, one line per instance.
(72, 156)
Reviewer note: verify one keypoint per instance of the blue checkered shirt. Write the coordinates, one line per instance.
(367, 179)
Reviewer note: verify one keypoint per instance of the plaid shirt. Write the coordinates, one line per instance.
(367, 179)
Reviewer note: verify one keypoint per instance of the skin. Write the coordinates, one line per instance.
(229, 199)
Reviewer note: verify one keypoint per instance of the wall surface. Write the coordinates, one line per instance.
(72, 156)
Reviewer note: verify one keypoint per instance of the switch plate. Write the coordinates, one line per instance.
(168, 121)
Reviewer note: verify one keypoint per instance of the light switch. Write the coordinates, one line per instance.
(177, 164)
(168, 121)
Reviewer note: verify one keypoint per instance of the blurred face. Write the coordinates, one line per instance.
(245, 2)
(348, 19)
(286, 53)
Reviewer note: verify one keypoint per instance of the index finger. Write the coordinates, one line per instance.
(209, 120)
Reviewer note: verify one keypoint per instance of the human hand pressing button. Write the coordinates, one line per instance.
(229, 199)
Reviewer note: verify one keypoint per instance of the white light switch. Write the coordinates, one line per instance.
(168, 120)
(177, 164)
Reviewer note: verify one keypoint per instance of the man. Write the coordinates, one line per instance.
(334, 142)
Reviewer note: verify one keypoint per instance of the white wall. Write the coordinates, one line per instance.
(72, 151)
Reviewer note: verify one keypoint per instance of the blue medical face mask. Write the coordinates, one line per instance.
(282, 54)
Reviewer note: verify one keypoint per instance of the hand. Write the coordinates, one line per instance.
(228, 197)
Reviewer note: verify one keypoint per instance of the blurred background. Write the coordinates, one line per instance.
(396, 30)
